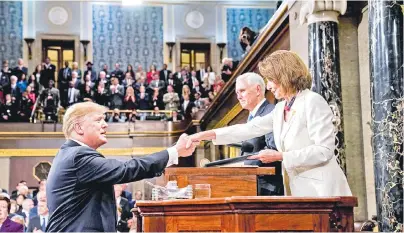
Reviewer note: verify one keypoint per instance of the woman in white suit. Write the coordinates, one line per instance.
(302, 127)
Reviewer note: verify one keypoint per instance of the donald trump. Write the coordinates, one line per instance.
(80, 183)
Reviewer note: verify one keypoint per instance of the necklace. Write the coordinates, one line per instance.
(289, 105)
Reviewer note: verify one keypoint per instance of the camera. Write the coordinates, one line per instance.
(247, 38)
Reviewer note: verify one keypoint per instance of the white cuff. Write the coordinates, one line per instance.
(172, 156)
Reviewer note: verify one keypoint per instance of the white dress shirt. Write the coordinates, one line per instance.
(41, 217)
(185, 105)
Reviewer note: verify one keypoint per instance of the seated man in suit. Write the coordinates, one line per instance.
(80, 183)
(156, 115)
(124, 204)
(250, 90)
(40, 221)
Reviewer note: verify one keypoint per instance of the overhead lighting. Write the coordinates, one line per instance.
(132, 2)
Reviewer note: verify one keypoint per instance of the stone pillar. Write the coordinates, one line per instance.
(322, 19)
(386, 78)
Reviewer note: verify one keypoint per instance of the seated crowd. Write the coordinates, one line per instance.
(179, 93)
(28, 212)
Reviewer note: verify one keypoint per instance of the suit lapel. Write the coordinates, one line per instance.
(261, 108)
(297, 107)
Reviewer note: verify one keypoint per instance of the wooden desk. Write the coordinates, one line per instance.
(248, 214)
(224, 181)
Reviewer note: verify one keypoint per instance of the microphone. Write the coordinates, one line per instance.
(247, 147)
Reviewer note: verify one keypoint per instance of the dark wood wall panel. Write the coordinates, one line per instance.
(21, 168)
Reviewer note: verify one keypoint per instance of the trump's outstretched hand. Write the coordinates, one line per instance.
(181, 146)
(268, 156)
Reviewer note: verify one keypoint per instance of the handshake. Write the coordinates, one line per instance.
(186, 144)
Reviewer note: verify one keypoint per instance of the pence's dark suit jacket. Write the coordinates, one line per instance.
(80, 189)
(268, 185)
(268, 139)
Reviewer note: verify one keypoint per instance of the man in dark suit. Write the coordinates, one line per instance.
(91, 72)
(250, 90)
(64, 77)
(164, 74)
(118, 73)
(186, 107)
(124, 205)
(48, 72)
(126, 194)
(20, 69)
(79, 188)
(175, 82)
(200, 74)
(40, 221)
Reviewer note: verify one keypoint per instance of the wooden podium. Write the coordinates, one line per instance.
(224, 181)
(247, 214)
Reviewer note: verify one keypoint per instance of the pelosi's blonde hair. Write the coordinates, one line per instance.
(77, 113)
(287, 69)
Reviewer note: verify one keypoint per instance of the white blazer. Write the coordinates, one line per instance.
(307, 144)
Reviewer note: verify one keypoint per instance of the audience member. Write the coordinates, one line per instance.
(117, 93)
(5, 222)
(20, 69)
(75, 68)
(40, 221)
(90, 71)
(140, 73)
(47, 73)
(117, 73)
(64, 76)
(143, 99)
(129, 102)
(171, 99)
(150, 74)
(164, 74)
(129, 69)
(116, 116)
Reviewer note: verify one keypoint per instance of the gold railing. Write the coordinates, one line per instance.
(40, 116)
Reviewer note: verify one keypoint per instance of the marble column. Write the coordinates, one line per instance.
(386, 78)
(322, 19)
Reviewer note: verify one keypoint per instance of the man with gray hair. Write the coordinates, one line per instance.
(250, 90)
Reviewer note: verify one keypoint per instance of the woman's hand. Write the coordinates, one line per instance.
(195, 139)
(268, 156)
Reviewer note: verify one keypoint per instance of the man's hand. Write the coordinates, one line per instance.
(181, 146)
(193, 140)
(268, 156)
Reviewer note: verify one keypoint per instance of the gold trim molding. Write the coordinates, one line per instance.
(230, 115)
(135, 151)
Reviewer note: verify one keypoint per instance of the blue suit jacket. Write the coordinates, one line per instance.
(267, 140)
(80, 187)
(10, 226)
(33, 212)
